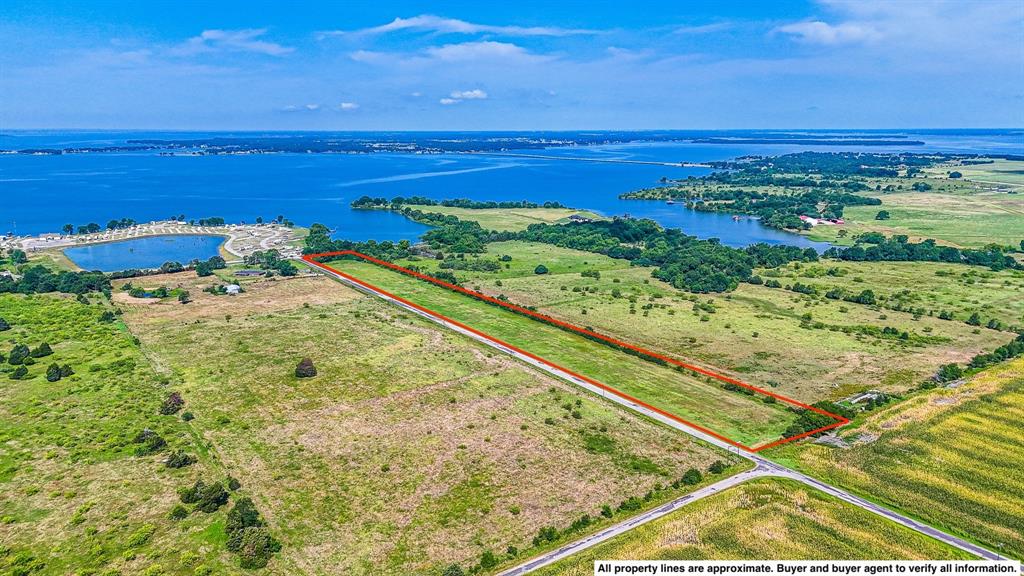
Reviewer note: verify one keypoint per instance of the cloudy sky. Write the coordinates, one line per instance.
(386, 65)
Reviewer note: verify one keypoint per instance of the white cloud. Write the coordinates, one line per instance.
(348, 106)
(477, 50)
(247, 40)
(416, 94)
(818, 32)
(303, 108)
(438, 24)
(476, 94)
(312, 107)
(703, 28)
(449, 101)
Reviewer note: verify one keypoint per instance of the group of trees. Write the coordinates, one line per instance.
(212, 221)
(248, 535)
(206, 267)
(39, 279)
(900, 249)
(271, 260)
(780, 211)
(398, 201)
(808, 420)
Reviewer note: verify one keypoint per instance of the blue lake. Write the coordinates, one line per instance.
(308, 188)
(150, 252)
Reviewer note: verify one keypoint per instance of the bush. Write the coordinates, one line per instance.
(41, 350)
(187, 416)
(4, 325)
(488, 560)
(179, 512)
(233, 483)
(150, 443)
(53, 373)
(19, 374)
(305, 369)
(717, 467)
(172, 404)
(18, 354)
(179, 459)
(949, 372)
(257, 546)
(241, 516)
(540, 269)
(212, 498)
(692, 476)
(453, 570)
(66, 371)
(192, 494)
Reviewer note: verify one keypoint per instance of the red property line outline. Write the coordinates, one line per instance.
(311, 259)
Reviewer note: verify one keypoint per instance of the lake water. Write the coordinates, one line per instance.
(149, 252)
(80, 188)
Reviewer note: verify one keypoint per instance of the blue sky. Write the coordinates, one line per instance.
(563, 64)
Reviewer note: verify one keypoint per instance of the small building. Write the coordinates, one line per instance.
(579, 218)
(247, 273)
(232, 289)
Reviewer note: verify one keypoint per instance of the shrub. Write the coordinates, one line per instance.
(172, 404)
(949, 372)
(18, 354)
(540, 269)
(212, 498)
(257, 546)
(41, 350)
(192, 494)
(692, 476)
(187, 416)
(453, 570)
(66, 371)
(4, 325)
(717, 467)
(488, 560)
(305, 369)
(53, 373)
(140, 536)
(19, 374)
(233, 483)
(179, 459)
(149, 443)
(179, 512)
(241, 516)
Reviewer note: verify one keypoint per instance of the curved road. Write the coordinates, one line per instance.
(763, 466)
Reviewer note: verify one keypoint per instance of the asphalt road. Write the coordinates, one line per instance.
(764, 467)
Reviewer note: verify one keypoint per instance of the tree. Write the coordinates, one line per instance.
(184, 297)
(540, 269)
(68, 229)
(4, 325)
(974, 320)
(203, 269)
(305, 369)
(241, 516)
(66, 371)
(954, 174)
(19, 374)
(882, 215)
(488, 560)
(717, 467)
(692, 476)
(149, 443)
(19, 256)
(53, 373)
(212, 497)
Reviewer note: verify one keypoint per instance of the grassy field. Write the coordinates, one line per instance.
(931, 286)
(1005, 173)
(412, 448)
(73, 496)
(743, 418)
(761, 334)
(772, 519)
(509, 219)
(969, 220)
(951, 457)
(765, 519)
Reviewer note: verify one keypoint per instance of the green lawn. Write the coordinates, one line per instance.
(766, 519)
(743, 418)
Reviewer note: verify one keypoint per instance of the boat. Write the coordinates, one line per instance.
(670, 202)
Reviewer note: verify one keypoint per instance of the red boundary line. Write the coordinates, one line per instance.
(311, 259)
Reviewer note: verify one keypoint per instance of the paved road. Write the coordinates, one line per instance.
(764, 467)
